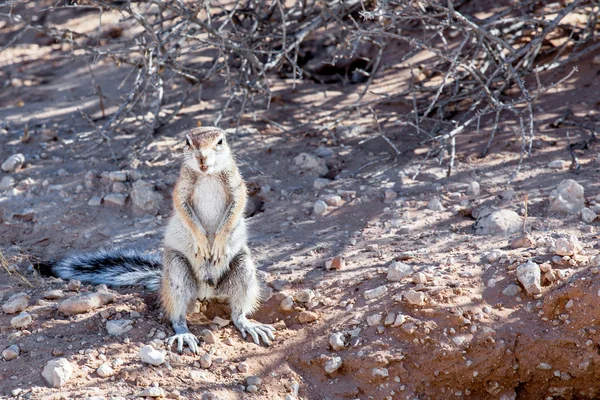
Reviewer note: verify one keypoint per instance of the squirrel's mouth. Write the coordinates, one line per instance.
(204, 168)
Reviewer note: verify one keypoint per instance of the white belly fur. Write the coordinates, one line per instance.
(210, 203)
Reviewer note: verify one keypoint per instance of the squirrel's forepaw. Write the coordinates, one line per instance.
(255, 330)
(200, 252)
(218, 252)
(187, 338)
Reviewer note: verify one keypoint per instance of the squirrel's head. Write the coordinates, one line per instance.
(206, 150)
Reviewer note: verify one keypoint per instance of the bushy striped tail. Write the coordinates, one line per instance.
(116, 267)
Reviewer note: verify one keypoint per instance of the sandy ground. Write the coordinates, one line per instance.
(467, 339)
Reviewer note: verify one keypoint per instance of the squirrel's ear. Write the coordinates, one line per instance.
(188, 142)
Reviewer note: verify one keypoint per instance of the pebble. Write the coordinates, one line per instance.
(85, 302)
(333, 364)
(152, 392)
(375, 293)
(206, 361)
(306, 317)
(220, 322)
(336, 340)
(304, 295)
(57, 372)
(95, 201)
(311, 164)
(567, 198)
(22, 320)
(375, 319)
(320, 183)
(13, 162)
(544, 366)
(115, 199)
(11, 352)
(150, 355)
(117, 176)
(587, 215)
(435, 204)
(332, 200)
(389, 196)
(324, 152)
(414, 297)
(498, 222)
(380, 373)
(398, 271)
(287, 304)
(558, 164)
(336, 263)
(119, 327)
(511, 290)
(53, 294)
(208, 336)
(523, 241)
(400, 319)
(251, 388)
(16, 303)
(567, 246)
(253, 380)
(389, 319)
(243, 367)
(474, 189)
(7, 182)
(530, 277)
(419, 277)
(74, 285)
(145, 198)
(320, 207)
(105, 371)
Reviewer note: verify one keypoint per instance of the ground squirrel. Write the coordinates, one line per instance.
(205, 252)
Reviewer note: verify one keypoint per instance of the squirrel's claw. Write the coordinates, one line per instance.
(256, 331)
(187, 338)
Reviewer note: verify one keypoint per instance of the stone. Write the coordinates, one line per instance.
(310, 164)
(529, 275)
(253, 380)
(320, 207)
(13, 162)
(117, 176)
(208, 336)
(251, 388)
(11, 352)
(85, 302)
(332, 200)
(105, 371)
(375, 293)
(558, 164)
(320, 183)
(398, 271)
(206, 361)
(57, 372)
(304, 295)
(374, 320)
(336, 341)
(400, 319)
(243, 367)
(414, 297)
(389, 319)
(389, 196)
(333, 364)
(16, 303)
(306, 317)
(380, 373)
(324, 152)
(95, 201)
(567, 246)
(336, 263)
(287, 304)
(494, 255)
(435, 204)
(74, 285)
(119, 327)
(7, 182)
(152, 392)
(220, 322)
(588, 215)
(511, 290)
(152, 356)
(567, 198)
(145, 198)
(22, 320)
(115, 199)
(53, 294)
(498, 222)
(474, 189)
(523, 241)
(419, 277)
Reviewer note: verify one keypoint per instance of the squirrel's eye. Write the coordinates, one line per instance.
(220, 142)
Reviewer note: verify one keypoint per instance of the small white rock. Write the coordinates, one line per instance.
(150, 355)
(22, 320)
(380, 373)
(530, 277)
(336, 340)
(474, 189)
(435, 204)
(374, 320)
(587, 215)
(11, 352)
(375, 293)
(105, 371)
(398, 271)
(119, 327)
(414, 297)
(220, 322)
(57, 372)
(16, 303)
(13, 162)
(567, 246)
(333, 364)
(206, 361)
(320, 207)
(558, 164)
(287, 304)
(304, 295)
